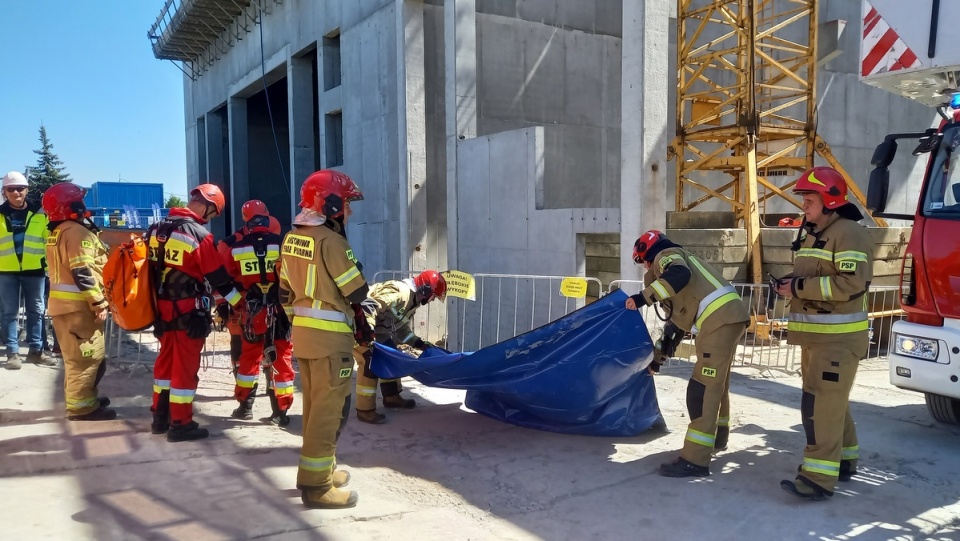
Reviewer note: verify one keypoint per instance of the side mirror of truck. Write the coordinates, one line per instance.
(883, 154)
(877, 189)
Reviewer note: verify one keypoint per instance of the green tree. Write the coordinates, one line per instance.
(49, 169)
(174, 202)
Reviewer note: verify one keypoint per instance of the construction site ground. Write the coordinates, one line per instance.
(440, 472)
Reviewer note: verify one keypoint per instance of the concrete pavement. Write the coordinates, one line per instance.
(439, 472)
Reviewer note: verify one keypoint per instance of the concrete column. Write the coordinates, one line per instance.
(300, 108)
(215, 172)
(239, 162)
(643, 145)
(200, 162)
(413, 136)
(460, 57)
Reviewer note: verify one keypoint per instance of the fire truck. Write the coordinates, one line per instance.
(905, 50)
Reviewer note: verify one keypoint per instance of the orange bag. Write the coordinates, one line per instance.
(129, 287)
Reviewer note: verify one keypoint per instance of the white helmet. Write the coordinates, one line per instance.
(14, 178)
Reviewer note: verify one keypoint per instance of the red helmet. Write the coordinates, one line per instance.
(211, 194)
(644, 243)
(326, 192)
(253, 207)
(430, 284)
(64, 201)
(827, 182)
(274, 226)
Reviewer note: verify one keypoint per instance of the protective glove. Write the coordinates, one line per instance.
(671, 338)
(199, 324)
(362, 331)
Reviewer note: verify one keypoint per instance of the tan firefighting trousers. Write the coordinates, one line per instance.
(367, 383)
(81, 342)
(828, 375)
(326, 402)
(708, 388)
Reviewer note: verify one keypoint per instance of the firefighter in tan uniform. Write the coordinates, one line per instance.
(320, 280)
(389, 309)
(75, 257)
(832, 271)
(698, 299)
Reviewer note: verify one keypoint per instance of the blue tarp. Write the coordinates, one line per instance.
(582, 374)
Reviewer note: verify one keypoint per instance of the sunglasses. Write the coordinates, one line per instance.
(18, 189)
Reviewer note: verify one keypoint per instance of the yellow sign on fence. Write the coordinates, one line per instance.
(460, 284)
(573, 287)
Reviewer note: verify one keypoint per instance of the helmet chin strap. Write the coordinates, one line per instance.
(795, 245)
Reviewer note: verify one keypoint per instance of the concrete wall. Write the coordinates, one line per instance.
(382, 105)
(501, 229)
(556, 64)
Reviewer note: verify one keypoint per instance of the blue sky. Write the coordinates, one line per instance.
(86, 71)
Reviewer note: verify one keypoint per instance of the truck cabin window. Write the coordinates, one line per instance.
(942, 199)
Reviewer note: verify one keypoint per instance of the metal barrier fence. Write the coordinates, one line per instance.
(506, 305)
(764, 345)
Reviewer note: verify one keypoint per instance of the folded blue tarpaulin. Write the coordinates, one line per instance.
(584, 373)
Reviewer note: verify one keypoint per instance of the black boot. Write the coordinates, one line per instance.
(398, 402)
(798, 487)
(278, 416)
(371, 416)
(723, 436)
(847, 470)
(245, 410)
(161, 414)
(682, 467)
(188, 432)
(99, 414)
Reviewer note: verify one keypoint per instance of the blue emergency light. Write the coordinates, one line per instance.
(955, 101)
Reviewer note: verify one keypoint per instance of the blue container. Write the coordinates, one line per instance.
(141, 195)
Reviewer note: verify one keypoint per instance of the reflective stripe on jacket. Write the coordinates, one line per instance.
(706, 302)
(34, 242)
(396, 305)
(831, 275)
(74, 251)
(317, 272)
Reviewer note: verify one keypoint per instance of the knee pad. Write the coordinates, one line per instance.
(695, 391)
(806, 415)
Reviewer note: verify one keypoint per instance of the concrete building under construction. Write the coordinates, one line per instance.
(509, 136)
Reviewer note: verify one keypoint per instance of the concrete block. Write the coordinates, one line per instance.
(551, 231)
(700, 219)
(543, 68)
(602, 264)
(553, 173)
(370, 80)
(608, 18)
(504, 8)
(610, 105)
(492, 126)
(583, 89)
(500, 70)
(611, 168)
(473, 173)
(581, 169)
(866, 109)
(576, 15)
(540, 11)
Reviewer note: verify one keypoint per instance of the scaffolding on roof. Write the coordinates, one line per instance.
(197, 33)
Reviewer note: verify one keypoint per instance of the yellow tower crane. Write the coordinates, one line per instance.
(746, 107)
